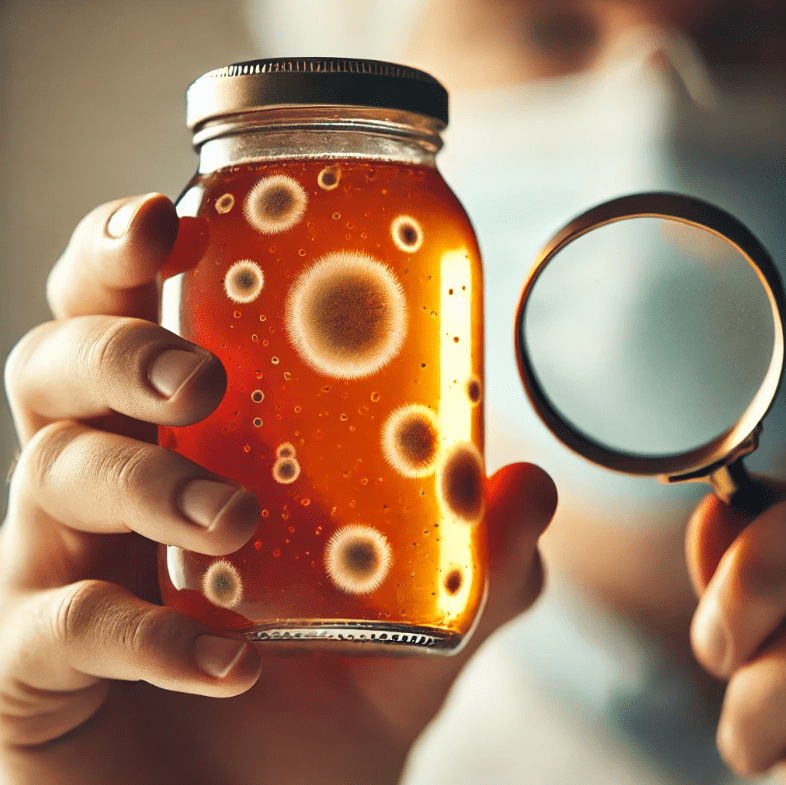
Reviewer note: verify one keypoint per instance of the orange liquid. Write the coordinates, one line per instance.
(429, 572)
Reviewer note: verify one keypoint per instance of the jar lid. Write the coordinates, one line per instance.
(315, 81)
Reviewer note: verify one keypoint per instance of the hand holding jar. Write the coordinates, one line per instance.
(91, 660)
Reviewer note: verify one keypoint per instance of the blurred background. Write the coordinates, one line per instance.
(556, 106)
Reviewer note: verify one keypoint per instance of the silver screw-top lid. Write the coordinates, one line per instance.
(313, 81)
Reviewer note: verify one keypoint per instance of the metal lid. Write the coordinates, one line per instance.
(322, 81)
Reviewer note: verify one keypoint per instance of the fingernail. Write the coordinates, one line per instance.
(173, 369)
(202, 501)
(709, 636)
(120, 220)
(217, 656)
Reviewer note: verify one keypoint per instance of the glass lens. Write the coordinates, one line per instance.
(649, 336)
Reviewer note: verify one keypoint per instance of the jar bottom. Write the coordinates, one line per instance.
(355, 638)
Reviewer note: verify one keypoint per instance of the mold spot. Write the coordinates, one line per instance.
(410, 440)
(346, 315)
(225, 203)
(453, 581)
(407, 233)
(222, 585)
(244, 281)
(358, 558)
(285, 450)
(286, 470)
(329, 178)
(474, 390)
(461, 482)
(275, 204)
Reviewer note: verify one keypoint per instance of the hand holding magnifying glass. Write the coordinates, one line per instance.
(650, 340)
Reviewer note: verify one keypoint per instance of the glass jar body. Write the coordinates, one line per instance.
(343, 294)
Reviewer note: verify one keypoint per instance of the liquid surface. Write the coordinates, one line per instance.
(344, 299)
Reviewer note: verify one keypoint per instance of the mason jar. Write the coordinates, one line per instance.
(341, 287)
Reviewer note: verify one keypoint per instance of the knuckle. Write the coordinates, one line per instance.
(18, 359)
(739, 738)
(41, 455)
(79, 610)
(737, 748)
(109, 344)
(147, 630)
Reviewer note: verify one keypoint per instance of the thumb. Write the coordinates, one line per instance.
(712, 528)
(61, 645)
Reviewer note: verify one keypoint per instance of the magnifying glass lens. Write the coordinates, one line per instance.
(649, 336)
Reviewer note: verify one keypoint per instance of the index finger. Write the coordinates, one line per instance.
(115, 254)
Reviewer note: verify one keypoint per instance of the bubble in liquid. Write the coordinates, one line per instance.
(222, 584)
(329, 178)
(225, 203)
(358, 558)
(257, 396)
(461, 482)
(453, 581)
(474, 390)
(407, 233)
(244, 281)
(285, 450)
(286, 470)
(346, 315)
(257, 422)
(410, 440)
(275, 204)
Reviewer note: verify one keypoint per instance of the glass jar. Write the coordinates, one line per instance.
(341, 287)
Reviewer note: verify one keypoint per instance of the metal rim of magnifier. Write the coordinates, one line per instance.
(694, 212)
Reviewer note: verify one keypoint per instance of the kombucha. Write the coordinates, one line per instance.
(344, 299)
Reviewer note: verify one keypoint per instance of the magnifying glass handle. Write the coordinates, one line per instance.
(738, 489)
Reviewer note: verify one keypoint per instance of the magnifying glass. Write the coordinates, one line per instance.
(650, 340)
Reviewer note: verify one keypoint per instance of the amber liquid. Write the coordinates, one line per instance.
(282, 586)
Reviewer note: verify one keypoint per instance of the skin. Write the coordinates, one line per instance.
(98, 682)
(653, 576)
